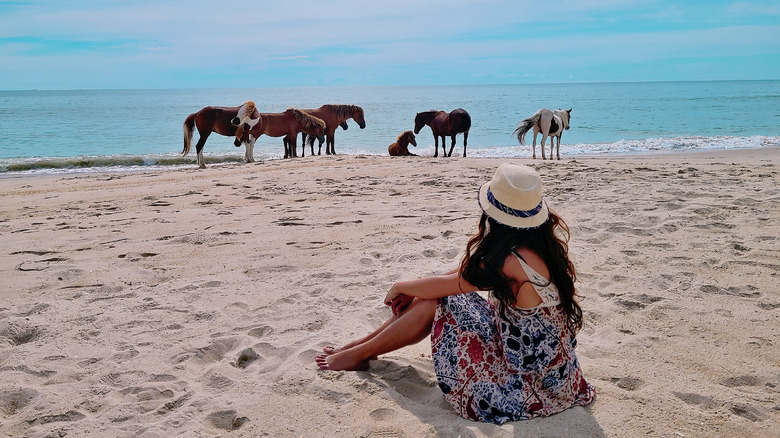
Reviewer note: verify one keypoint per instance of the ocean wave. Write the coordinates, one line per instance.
(171, 160)
(108, 162)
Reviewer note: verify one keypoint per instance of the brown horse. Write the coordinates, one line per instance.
(335, 115)
(445, 125)
(217, 119)
(401, 146)
(287, 124)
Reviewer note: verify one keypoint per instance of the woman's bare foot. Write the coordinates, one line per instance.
(341, 361)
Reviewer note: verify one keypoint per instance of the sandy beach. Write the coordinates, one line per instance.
(192, 302)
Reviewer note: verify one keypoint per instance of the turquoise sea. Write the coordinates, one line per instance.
(86, 130)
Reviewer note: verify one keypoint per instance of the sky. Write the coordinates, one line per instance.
(143, 44)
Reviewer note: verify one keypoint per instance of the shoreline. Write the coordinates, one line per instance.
(193, 301)
(65, 171)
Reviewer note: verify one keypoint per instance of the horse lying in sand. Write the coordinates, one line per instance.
(401, 146)
(549, 123)
(287, 124)
(219, 119)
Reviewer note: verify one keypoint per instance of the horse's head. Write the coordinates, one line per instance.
(244, 130)
(319, 132)
(565, 116)
(418, 123)
(359, 117)
(247, 109)
(422, 119)
(407, 137)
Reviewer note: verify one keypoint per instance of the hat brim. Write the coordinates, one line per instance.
(501, 217)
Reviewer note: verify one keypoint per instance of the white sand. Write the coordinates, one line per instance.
(193, 302)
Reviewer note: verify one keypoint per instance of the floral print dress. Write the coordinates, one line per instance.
(495, 369)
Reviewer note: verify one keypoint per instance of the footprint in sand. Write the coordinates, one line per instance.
(15, 400)
(696, 399)
(226, 420)
(245, 358)
(732, 382)
(627, 383)
(383, 414)
(15, 333)
(214, 352)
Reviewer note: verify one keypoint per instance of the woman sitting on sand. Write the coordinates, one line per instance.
(507, 358)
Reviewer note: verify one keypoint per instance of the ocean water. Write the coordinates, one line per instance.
(77, 130)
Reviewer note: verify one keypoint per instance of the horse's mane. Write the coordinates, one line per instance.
(426, 115)
(308, 121)
(406, 135)
(343, 110)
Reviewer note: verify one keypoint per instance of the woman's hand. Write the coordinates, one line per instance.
(397, 300)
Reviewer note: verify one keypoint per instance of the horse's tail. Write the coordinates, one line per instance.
(524, 126)
(189, 127)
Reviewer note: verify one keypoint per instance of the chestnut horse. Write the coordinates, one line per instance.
(549, 123)
(445, 124)
(287, 124)
(217, 119)
(334, 115)
(401, 146)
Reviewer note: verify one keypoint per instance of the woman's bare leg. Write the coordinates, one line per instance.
(329, 349)
(409, 328)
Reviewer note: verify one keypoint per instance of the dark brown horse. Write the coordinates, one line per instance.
(287, 124)
(308, 139)
(217, 119)
(401, 146)
(445, 125)
(335, 115)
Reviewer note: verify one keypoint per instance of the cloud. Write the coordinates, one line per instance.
(199, 43)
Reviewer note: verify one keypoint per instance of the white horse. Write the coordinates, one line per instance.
(549, 123)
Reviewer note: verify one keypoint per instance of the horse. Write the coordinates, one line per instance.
(401, 146)
(445, 124)
(335, 115)
(307, 139)
(219, 119)
(287, 124)
(549, 123)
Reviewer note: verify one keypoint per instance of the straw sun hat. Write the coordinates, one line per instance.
(514, 197)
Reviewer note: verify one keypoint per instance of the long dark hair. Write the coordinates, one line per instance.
(494, 242)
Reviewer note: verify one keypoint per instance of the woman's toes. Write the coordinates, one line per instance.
(322, 361)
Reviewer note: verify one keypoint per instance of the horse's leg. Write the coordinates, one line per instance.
(436, 145)
(248, 152)
(465, 142)
(199, 149)
(558, 148)
(310, 139)
(331, 143)
(452, 145)
(294, 145)
(286, 147)
(534, 144)
(544, 140)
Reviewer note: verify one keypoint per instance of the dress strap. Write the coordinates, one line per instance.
(544, 287)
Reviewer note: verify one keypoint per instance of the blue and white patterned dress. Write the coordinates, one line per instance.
(496, 370)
